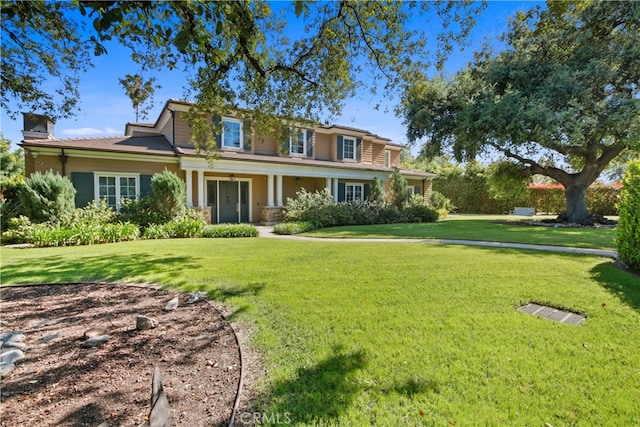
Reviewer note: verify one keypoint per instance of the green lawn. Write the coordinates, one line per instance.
(400, 334)
(480, 227)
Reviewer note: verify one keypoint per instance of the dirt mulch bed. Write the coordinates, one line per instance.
(61, 383)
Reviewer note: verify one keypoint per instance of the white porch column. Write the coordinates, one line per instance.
(335, 190)
(189, 178)
(278, 190)
(328, 184)
(270, 190)
(201, 189)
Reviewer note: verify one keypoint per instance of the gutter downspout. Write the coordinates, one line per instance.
(63, 160)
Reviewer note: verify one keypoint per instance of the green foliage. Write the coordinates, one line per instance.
(398, 193)
(11, 163)
(168, 195)
(439, 201)
(237, 51)
(289, 228)
(376, 195)
(308, 206)
(9, 201)
(318, 210)
(603, 199)
(92, 224)
(230, 230)
(47, 197)
(628, 240)
(140, 212)
(564, 91)
(139, 92)
(507, 180)
(190, 224)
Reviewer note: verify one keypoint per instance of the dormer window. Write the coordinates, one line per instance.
(349, 148)
(297, 142)
(232, 135)
(387, 158)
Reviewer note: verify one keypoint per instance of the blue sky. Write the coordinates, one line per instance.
(105, 109)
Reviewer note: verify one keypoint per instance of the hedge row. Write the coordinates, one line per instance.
(470, 194)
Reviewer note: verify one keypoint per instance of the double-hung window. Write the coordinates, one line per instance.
(348, 148)
(232, 133)
(354, 192)
(113, 188)
(297, 142)
(387, 158)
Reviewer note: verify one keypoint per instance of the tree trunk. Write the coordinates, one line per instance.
(576, 204)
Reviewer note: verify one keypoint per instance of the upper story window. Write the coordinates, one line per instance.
(387, 158)
(232, 134)
(298, 142)
(349, 148)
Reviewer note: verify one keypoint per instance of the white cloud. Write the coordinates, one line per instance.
(87, 131)
(82, 131)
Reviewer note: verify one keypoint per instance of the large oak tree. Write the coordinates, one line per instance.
(562, 100)
(284, 60)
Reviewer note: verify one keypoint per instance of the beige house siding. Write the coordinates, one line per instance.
(266, 146)
(367, 151)
(45, 163)
(322, 147)
(378, 154)
(182, 131)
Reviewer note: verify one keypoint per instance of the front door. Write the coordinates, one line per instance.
(228, 201)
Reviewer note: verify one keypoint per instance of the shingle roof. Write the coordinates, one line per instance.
(155, 144)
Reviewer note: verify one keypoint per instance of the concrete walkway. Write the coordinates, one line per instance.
(267, 232)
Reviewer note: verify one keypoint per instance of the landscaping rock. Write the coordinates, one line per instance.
(10, 356)
(6, 367)
(145, 322)
(197, 296)
(172, 304)
(96, 332)
(15, 336)
(160, 415)
(96, 341)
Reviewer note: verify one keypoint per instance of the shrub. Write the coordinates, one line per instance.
(140, 212)
(191, 224)
(398, 191)
(289, 228)
(230, 230)
(47, 197)
(419, 213)
(168, 195)
(309, 206)
(439, 202)
(377, 191)
(10, 206)
(628, 238)
(603, 199)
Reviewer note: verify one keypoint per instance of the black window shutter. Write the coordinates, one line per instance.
(145, 185)
(246, 134)
(216, 123)
(309, 143)
(340, 144)
(83, 183)
(367, 191)
(359, 149)
(341, 192)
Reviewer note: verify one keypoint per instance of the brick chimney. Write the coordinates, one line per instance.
(37, 126)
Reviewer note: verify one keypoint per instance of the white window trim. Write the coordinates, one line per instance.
(304, 142)
(241, 142)
(387, 158)
(344, 151)
(354, 185)
(117, 175)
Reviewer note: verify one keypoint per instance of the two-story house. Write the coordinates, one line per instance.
(249, 180)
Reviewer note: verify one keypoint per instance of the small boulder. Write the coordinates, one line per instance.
(171, 305)
(196, 296)
(6, 367)
(96, 332)
(10, 356)
(145, 322)
(96, 341)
